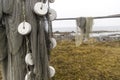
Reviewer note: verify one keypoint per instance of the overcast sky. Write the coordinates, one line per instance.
(79, 8)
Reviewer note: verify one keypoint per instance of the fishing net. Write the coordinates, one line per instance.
(84, 27)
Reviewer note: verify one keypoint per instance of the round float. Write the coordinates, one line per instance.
(52, 14)
(53, 42)
(28, 77)
(52, 71)
(24, 28)
(28, 59)
(40, 8)
(51, 1)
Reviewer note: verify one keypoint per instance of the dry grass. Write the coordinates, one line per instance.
(91, 61)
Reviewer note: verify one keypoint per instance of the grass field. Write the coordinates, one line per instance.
(90, 61)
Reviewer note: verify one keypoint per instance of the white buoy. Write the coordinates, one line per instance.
(52, 14)
(24, 28)
(27, 77)
(53, 42)
(52, 71)
(28, 59)
(51, 1)
(41, 8)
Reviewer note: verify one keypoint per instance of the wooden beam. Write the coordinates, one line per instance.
(101, 17)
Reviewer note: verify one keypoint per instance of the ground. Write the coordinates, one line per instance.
(89, 61)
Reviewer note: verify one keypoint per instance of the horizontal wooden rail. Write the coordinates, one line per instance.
(101, 17)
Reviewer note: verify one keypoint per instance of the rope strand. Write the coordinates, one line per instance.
(23, 10)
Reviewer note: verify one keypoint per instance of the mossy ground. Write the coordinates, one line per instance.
(89, 61)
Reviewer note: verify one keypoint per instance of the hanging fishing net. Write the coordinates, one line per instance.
(83, 29)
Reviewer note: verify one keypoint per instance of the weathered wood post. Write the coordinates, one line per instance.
(14, 46)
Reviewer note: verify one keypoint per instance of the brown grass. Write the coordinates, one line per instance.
(91, 61)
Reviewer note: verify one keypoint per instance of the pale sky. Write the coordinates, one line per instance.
(85, 8)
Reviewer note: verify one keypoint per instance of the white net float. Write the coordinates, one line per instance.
(28, 77)
(40, 8)
(24, 28)
(52, 71)
(52, 14)
(28, 59)
(53, 42)
(51, 1)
